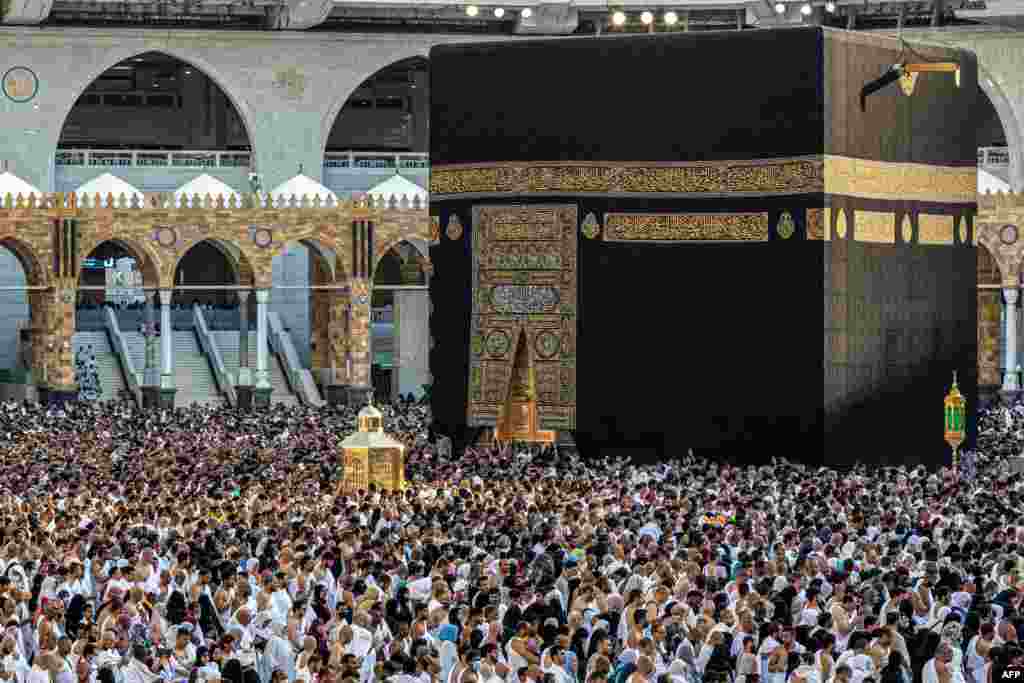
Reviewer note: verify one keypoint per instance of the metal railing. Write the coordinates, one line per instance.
(300, 380)
(109, 158)
(208, 344)
(993, 156)
(377, 160)
(217, 320)
(133, 377)
(123, 158)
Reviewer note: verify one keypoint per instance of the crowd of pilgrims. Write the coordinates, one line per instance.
(207, 544)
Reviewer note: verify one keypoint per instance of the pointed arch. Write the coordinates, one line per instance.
(240, 272)
(416, 249)
(148, 261)
(989, 272)
(1011, 126)
(36, 274)
(196, 61)
(416, 55)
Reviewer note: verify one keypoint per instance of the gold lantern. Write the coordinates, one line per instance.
(956, 422)
(370, 456)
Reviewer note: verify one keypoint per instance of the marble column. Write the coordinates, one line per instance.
(167, 388)
(1010, 382)
(151, 367)
(151, 364)
(262, 390)
(411, 345)
(243, 383)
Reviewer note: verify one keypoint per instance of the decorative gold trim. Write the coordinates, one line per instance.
(932, 229)
(798, 175)
(686, 227)
(876, 227)
(435, 229)
(900, 181)
(454, 229)
(830, 174)
(785, 227)
(907, 229)
(907, 82)
(840, 224)
(816, 228)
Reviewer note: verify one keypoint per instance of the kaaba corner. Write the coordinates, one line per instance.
(672, 241)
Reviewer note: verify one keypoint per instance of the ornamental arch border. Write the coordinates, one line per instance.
(149, 260)
(117, 55)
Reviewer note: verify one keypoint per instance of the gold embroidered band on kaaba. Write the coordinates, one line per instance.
(686, 227)
(882, 227)
(828, 174)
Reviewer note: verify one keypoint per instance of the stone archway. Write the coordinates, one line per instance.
(1011, 127)
(990, 308)
(147, 265)
(116, 57)
(401, 338)
(303, 278)
(387, 111)
(198, 266)
(33, 339)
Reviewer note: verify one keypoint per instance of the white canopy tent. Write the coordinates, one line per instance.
(300, 185)
(987, 182)
(108, 184)
(398, 186)
(13, 185)
(205, 185)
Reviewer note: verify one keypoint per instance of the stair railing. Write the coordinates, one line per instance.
(132, 376)
(209, 346)
(300, 379)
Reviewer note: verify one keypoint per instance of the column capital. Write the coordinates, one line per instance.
(243, 295)
(165, 296)
(262, 296)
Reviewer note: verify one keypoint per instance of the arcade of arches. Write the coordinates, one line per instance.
(349, 240)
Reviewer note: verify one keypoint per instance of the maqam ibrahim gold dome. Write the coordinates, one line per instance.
(372, 457)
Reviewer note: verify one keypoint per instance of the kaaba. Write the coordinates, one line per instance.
(705, 241)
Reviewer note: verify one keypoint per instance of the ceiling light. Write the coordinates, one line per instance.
(499, 12)
(830, 7)
(671, 18)
(806, 9)
(780, 8)
(526, 13)
(619, 18)
(472, 10)
(646, 18)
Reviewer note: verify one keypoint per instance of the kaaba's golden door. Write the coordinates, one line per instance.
(518, 418)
